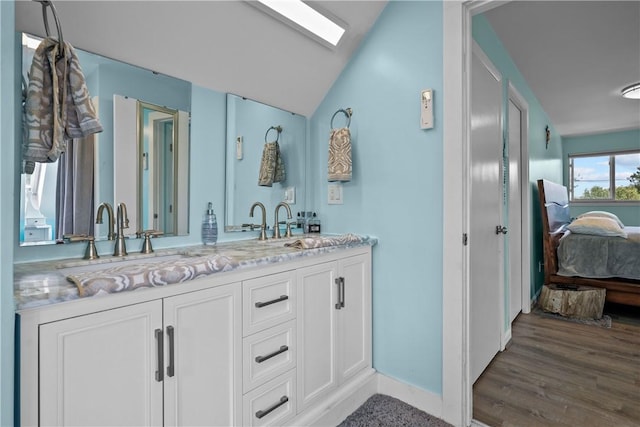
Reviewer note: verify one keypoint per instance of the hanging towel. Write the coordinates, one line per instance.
(271, 165)
(57, 106)
(340, 155)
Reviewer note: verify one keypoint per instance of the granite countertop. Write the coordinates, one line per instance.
(50, 282)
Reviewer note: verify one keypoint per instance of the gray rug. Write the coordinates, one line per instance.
(385, 411)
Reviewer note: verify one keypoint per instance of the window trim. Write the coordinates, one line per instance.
(612, 180)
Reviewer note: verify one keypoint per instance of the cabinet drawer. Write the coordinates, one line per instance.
(272, 403)
(268, 301)
(268, 354)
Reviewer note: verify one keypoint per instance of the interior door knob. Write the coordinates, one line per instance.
(501, 229)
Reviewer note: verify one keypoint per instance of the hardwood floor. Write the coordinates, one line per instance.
(559, 373)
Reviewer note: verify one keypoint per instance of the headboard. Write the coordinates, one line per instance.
(554, 206)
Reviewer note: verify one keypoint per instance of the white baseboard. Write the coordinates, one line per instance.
(424, 400)
(339, 405)
(506, 337)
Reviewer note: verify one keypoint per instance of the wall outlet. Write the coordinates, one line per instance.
(335, 194)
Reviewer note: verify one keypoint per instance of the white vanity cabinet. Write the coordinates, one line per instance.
(273, 345)
(99, 368)
(125, 366)
(334, 325)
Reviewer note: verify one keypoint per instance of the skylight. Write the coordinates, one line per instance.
(308, 18)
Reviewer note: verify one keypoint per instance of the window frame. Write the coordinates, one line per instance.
(612, 175)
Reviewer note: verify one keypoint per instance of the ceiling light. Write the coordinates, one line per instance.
(308, 18)
(632, 92)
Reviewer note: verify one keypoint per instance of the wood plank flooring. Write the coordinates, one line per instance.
(559, 373)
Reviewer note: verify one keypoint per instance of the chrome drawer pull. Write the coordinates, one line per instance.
(261, 359)
(262, 413)
(273, 301)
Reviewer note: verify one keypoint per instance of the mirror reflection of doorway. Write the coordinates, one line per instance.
(158, 188)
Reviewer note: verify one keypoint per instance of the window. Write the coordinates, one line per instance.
(605, 177)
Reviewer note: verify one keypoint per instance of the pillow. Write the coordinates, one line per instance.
(597, 226)
(602, 214)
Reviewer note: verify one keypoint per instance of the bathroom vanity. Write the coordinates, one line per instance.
(278, 338)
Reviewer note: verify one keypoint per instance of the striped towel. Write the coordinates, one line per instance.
(271, 165)
(340, 155)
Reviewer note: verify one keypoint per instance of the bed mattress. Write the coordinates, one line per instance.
(600, 257)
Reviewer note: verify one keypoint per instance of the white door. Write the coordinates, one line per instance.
(100, 369)
(204, 330)
(485, 245)
(354, 318)
(515, 210)
(317, 299)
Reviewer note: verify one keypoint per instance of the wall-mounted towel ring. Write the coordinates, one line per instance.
(45, 4)
(347, 112)
(277, 129)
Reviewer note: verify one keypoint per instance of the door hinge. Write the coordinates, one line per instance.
(465, 239)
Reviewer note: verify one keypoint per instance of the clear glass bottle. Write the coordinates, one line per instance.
(209, 227)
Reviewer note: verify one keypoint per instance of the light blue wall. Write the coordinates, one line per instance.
(251, 119)
(629, 214)
(8, 99)
(396, 190)
(544, 162)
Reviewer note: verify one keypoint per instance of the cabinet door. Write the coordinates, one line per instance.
(354, 319)
(100, 369)
(205, 387)
(317, 298)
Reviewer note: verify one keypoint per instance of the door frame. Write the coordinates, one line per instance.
(457, 399)
(525, 197)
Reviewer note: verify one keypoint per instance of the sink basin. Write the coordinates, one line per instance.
(69, 269)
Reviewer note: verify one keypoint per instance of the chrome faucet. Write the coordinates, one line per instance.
(122, 222)
(276, 226)
(263, 225)
(111, 235)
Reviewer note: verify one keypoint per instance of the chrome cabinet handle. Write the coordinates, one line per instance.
(171, 367)
(282, 349)
(159, 342)
(273, 301)
(263, 412)
(340, 282)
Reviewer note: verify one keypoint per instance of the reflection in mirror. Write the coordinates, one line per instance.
(41, 217)
(249, 133)
(151, 148)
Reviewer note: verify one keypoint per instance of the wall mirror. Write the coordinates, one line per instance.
(55, 200)
(251, 125)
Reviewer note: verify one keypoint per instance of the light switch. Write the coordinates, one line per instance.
(426, 109)
(335, 194)
(290, 195)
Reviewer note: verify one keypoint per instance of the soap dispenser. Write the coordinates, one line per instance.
(209, 227)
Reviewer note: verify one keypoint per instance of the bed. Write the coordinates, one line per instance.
(570, 258)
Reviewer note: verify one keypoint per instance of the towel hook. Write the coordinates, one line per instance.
(277, 129)
(48, 3)
(347, 112)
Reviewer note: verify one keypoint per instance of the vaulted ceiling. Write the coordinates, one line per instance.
(229, 46)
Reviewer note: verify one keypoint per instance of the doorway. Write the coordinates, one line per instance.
(457, 384)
